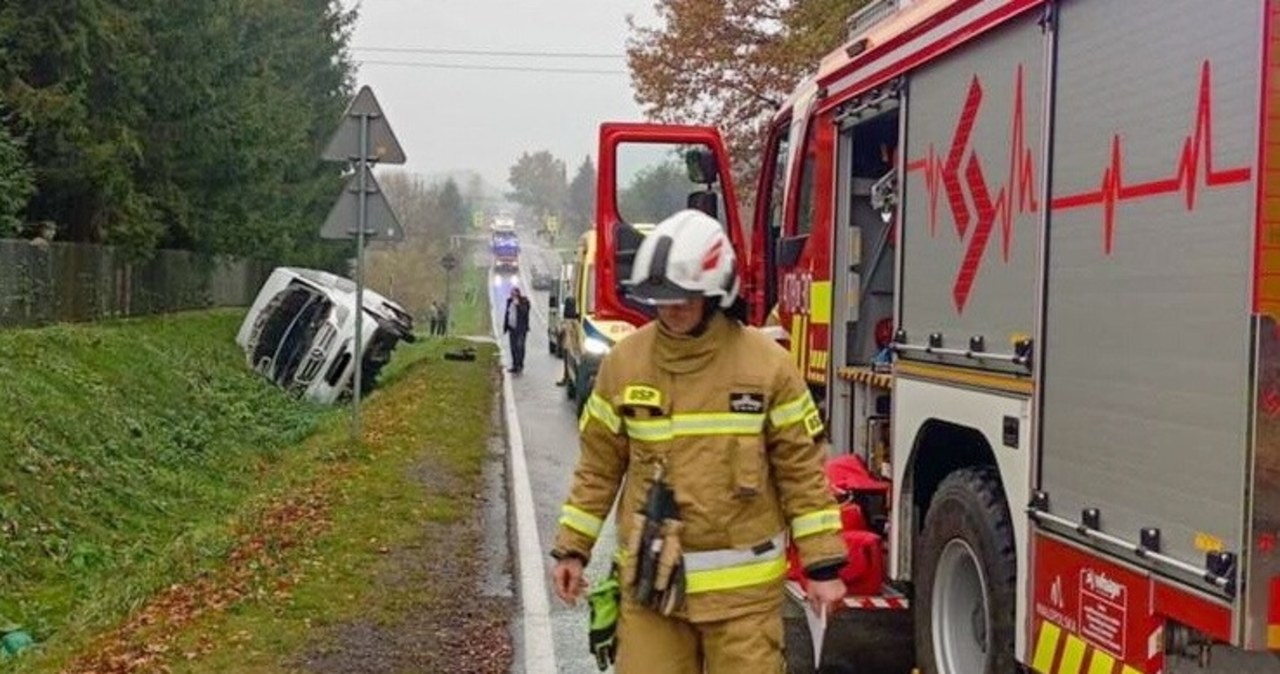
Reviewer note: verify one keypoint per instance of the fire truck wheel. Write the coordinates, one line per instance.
(965, 578)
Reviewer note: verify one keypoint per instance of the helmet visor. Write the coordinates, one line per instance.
(660, 291)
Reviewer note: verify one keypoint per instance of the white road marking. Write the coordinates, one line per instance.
(539, 646)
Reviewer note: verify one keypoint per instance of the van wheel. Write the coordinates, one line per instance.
(965, 578)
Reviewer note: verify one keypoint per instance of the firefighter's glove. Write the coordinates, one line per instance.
(602, 635)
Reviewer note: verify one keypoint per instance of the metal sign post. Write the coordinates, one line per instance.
(364, 138)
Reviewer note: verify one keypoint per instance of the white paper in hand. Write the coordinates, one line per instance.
(817, 630)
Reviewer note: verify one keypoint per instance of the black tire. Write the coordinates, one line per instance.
(969, 519)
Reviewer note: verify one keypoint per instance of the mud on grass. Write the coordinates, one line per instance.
(362, 561)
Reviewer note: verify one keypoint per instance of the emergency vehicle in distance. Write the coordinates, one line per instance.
(1027, 254)
(505, 246)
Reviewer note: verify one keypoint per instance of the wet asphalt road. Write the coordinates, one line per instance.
(550, 433)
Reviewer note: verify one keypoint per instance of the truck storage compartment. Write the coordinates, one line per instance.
(971, 208)
(1148, 347)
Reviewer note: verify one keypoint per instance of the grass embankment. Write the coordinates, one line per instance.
(164, 508)
(122, 446)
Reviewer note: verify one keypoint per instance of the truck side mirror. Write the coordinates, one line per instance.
(700, 166)
(570, 308)
(552, 301)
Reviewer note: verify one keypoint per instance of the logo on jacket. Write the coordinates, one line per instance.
(643, 396)
(746, 403)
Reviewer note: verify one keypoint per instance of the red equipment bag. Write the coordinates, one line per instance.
(848, 473)
(848, 479)
(864, 572)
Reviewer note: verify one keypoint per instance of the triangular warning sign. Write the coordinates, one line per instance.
(381, 223)
(382, 144)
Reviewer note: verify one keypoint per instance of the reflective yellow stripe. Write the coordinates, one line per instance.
(818, 522)
(716, 423)
(650, 430)
(1072, 655)
(1129, 670)
(599, 408)
(580, 521)
(1046, 647)
(685, 425)
(820, 302)
(1101, 662)
(735, 577)
(792, 412)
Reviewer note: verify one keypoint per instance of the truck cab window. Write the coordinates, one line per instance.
(805, 211)
(776, 189)
(654, 181)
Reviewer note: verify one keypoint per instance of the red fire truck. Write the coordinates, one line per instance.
(1027, 253)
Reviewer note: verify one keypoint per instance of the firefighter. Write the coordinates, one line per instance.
(714, 416)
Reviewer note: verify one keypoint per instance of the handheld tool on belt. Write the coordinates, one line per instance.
(656, 577)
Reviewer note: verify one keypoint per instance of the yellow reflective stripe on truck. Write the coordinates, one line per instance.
(1071, 658)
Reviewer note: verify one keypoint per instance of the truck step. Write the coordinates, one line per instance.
(864, 375)
(889, 599)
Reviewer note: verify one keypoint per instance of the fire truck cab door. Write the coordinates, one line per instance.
(648, 172)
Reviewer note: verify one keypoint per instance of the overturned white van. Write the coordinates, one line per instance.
(300, 333)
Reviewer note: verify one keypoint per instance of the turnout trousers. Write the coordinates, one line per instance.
(649, 643)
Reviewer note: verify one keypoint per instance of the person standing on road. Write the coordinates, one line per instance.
(718, 416)
(516, 325)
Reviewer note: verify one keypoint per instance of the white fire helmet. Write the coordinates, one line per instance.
(687, 255)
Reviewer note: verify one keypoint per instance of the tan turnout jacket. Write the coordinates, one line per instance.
(734, 423)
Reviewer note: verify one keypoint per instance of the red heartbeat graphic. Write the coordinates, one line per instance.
(1186, 178)
(940, 175)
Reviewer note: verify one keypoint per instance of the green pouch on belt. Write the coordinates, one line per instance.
(602, 635)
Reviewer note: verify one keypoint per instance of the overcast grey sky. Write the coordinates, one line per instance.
(482, 120)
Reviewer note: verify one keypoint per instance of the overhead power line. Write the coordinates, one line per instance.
(492, 52)
(519, 69)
